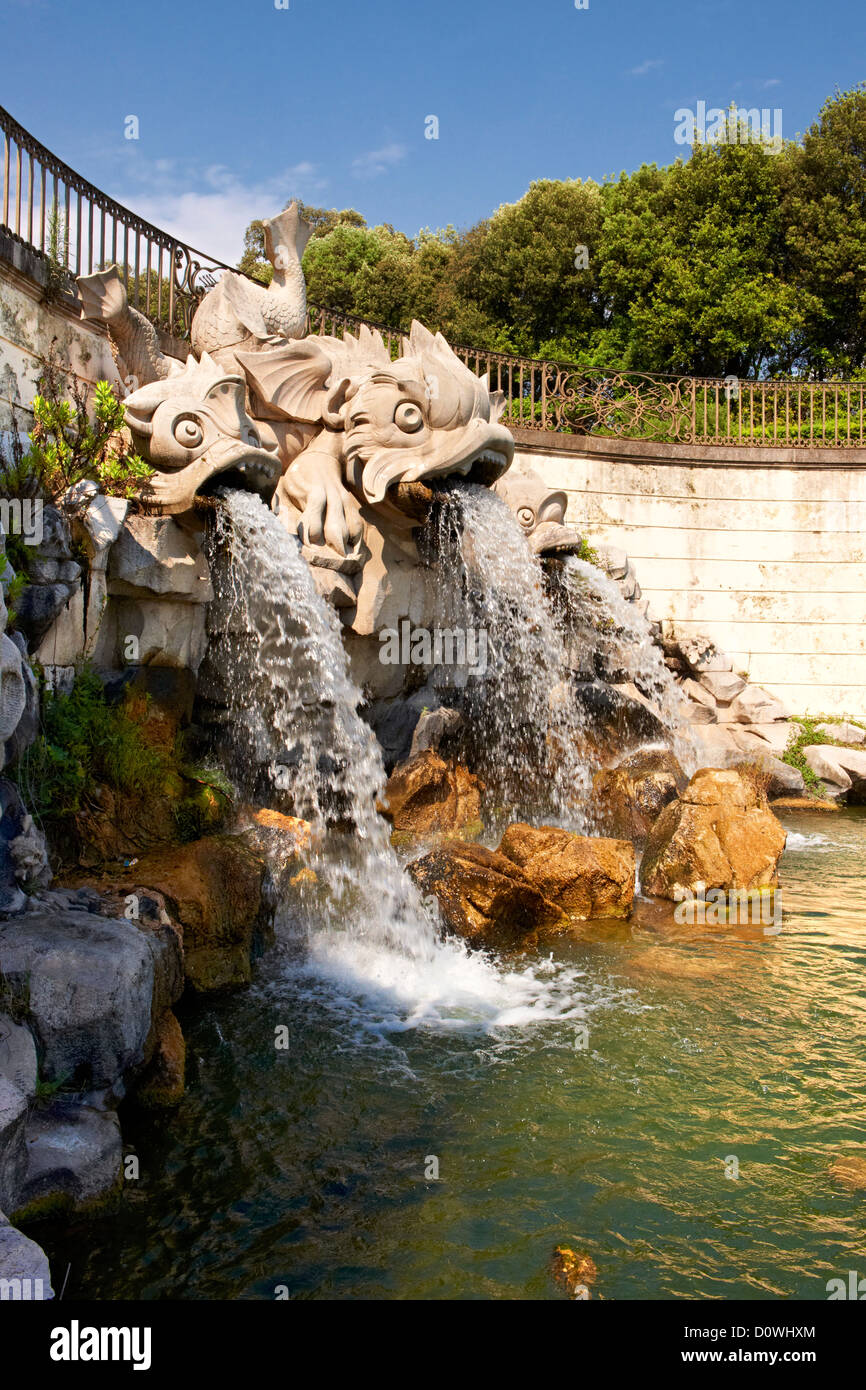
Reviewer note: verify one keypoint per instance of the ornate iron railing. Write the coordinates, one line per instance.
(561, 397)
(46, 205)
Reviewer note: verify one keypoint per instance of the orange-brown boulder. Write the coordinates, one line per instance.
(719, 832)
(585, 876)
(483, 896)
(628, 798)
(428, 796)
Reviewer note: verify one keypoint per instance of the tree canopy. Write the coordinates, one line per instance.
(740, 260)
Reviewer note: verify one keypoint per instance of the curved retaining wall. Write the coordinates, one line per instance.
(761, 549)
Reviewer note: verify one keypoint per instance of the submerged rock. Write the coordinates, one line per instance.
(628, 798)
(719, 832)
(483, 896)
(429, 796)
(573, 1272)
(585, 876)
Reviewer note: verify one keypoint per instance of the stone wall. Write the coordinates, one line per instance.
(763, 550)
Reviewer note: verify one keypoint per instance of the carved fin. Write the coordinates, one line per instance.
(291, 379)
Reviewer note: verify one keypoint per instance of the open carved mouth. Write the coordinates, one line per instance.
(416, 498)
(248, 471)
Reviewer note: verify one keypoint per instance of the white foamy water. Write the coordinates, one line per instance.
(277, 655)
(527, 724)
(601, 620)
(798, 841)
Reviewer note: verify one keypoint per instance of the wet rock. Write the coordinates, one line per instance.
(86, 985)
(216, 893)
(483, 896)
(842, 770)
(616, 716)
(163, 1083)
(584, 876)
(802, 803)
(436, 730)
(429, 796)
(574, 1272)
(24, 1266)
(18, 1063)
(74, 1153)
(13, 1155)
(628, 798)
(719, 832)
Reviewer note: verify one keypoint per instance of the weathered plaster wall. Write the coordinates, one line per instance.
(761, 549)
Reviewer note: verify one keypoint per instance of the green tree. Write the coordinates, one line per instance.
(824, 205)
(693, 259)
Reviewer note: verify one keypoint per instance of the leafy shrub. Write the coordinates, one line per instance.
(85, 740)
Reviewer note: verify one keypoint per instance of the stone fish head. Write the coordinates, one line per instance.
(194, 429)
(425, 416)
(421, 417)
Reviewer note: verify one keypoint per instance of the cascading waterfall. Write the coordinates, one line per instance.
(617, 635)
(530, 739)
(291, 709)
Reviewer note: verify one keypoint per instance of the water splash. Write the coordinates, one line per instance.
(529, 743)
(277, 672)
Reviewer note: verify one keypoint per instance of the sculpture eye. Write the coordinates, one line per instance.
(189, 433)
(408, 416)
(526, 517)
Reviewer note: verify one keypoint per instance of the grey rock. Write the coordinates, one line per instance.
(154, 556)
(27, 727)
(784, 780)
(697, 693)
(74, 1151)
(722, 685)
(434, 728)
(844, 732)
(87, 986)
(38, 607)
(24, 1270)
(56, 543)
(701, 654)
(13, 1156)
(12, 816)
(842, 770)
(755, 706)
(18, 1062)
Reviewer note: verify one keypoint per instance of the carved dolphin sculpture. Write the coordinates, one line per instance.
(195, 431)
(104, 300)
(238, 312)
(540, 512)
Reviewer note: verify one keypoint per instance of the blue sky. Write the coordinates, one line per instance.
(241, 105)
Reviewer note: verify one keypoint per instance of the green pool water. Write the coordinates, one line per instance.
(309, 1167)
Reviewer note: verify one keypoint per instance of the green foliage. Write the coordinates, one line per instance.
(808, 736)
(66, 444)
(739, 261)
(84, 741)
